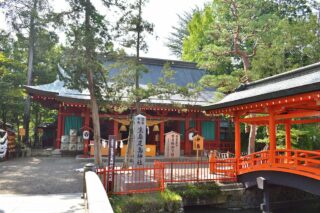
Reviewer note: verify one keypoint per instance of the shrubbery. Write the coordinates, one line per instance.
(166, 201)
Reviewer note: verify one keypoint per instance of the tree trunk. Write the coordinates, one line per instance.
(90, 48)
(253, 128)
(129, 150)
(26, 116)
(95, 121)
(252, 138)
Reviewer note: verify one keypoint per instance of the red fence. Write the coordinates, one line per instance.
(300, 162)
(154, 176)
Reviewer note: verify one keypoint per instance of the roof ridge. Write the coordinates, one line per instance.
(280, 75)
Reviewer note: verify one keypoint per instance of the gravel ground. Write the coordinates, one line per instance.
(41, 175)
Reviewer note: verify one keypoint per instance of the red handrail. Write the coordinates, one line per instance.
(300, 162)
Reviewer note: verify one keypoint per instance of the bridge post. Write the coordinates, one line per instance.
(262, 184)
(288, 134)
(272, 136)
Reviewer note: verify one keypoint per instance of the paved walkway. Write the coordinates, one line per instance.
(41, 184)
(40, 175)
(58, 203)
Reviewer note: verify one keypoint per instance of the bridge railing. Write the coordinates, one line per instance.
(301, 162)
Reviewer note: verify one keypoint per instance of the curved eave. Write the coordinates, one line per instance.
(267, 96)
(34, 91)
(72, 100)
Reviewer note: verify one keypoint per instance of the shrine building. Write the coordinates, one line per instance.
(163, 115)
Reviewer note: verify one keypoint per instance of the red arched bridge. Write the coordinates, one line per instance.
(293, 168)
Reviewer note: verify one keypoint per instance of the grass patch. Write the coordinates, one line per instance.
(196, 190)
(166, 201)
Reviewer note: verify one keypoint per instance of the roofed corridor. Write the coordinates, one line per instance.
(288, 100)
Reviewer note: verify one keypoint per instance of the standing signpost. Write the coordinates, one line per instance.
(198, 144)
(172, 145)
(86, 136)
(139, 140)
(111, 161)
(22, 132)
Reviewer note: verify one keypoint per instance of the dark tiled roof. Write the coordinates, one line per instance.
(185, 72)
(302, 80)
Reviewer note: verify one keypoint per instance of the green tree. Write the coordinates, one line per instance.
(179, 32)
(26, 17)
(88, 36)
(11, 80)
(238, 41)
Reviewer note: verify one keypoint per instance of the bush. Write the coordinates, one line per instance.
(166, 201)
(196, 190)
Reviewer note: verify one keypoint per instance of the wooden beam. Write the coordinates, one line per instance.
(298, 114)
(306, 121)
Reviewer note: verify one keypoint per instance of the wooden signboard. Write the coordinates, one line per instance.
(22, 132)
(198, 143)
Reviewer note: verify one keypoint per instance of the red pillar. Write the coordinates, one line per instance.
(237, 137)
(272, 136)
(162, 138)
(86, 125)
(217, 132)
(187, 148)
(288, 134)
(59, 128)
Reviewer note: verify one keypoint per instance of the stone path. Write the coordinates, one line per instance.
(41, 184)
(40, 175)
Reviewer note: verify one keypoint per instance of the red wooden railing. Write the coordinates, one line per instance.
(300, 162)
(153, 177)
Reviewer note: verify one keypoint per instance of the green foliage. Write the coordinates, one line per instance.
(196, 190)
(273, 36)
(179, 32)
(166, 201)
(306, 137)
(132, 28)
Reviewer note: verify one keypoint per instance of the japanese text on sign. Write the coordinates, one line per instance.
(139, 134)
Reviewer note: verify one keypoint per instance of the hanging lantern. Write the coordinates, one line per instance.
(156, 128)
(123, 128)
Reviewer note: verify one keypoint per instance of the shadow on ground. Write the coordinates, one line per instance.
(40, 175)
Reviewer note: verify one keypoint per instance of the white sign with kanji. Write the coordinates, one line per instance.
(139, 140)
(172, 145)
